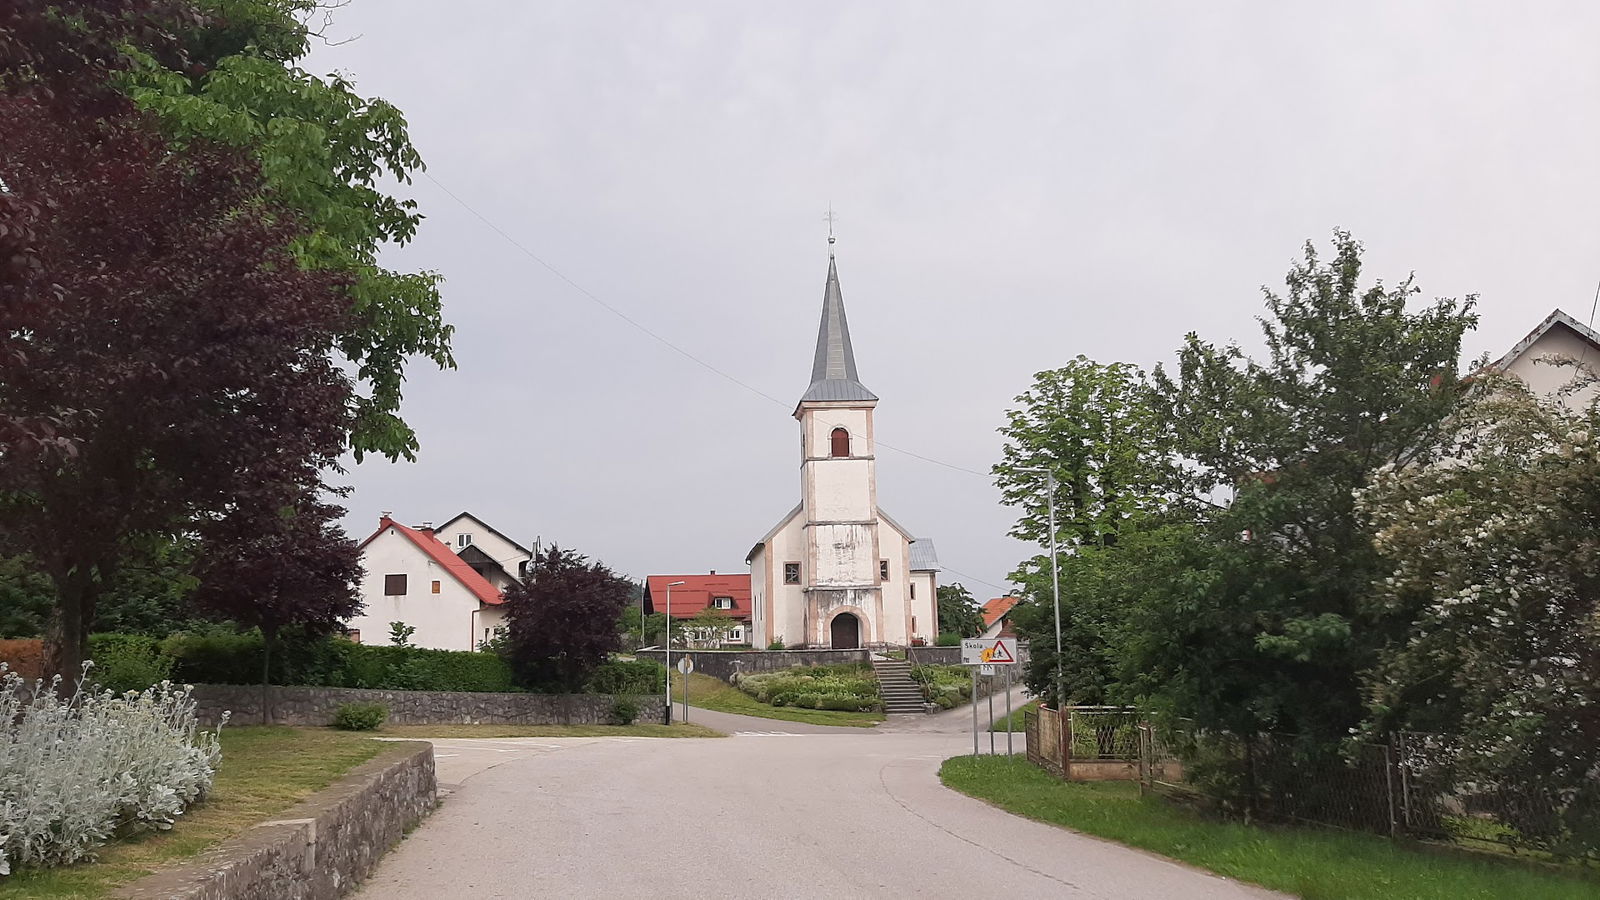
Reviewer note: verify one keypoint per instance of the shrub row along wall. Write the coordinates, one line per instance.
(724, 664)
(317, 705)
(319, 849)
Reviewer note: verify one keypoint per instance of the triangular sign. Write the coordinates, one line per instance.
(999, 654)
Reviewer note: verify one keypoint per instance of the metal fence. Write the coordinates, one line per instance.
(1410, 786)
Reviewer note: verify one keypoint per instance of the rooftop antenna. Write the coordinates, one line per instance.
(830, 218)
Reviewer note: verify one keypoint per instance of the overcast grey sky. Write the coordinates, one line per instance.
(1016, 183)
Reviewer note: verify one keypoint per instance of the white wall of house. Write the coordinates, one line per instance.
(1534, 366)
(446, 620)
(925, 606)
(499, 549)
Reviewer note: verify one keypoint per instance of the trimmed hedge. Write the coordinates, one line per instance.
(625, 677)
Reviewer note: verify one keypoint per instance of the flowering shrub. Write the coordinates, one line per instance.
(843, 687)
(74, 773)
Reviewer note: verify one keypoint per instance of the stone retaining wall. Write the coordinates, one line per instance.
(724, 664)
(320, 849)
(317, 705)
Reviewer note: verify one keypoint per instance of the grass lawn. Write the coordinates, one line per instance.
(678, 730)
(717, 695)
(1311, 863)
(264, 771)
(1015, 723)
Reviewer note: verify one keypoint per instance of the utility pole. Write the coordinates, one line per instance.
(669, 648)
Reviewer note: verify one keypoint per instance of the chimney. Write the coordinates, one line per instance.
(713, 571)
(388, 513)
(427, 526)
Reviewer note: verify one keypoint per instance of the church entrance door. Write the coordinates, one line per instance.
(846, 632)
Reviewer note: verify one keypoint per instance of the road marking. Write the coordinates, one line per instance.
(767, 734)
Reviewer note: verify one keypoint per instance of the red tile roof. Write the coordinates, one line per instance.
(997, 608)
(439, 553)
(696, 593)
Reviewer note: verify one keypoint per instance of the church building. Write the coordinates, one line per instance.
(837, 572)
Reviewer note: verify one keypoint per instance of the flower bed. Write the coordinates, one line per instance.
(948, 686)
(75, 773)
(849, 688)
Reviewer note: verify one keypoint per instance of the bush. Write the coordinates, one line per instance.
(948, 640)
(360, 716)
(235, 658)
(24, 656)
(843, 687)
(624, 711)
(622, 677)
(74, 773)
(775, 645)
(127, 662)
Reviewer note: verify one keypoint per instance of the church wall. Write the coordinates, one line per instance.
(925, 607)
(760, 617)
(836, 490)
(786, 602)
(818, 422)
(844, 556)
(893, 549)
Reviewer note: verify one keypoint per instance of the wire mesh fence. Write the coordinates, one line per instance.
(1420, 786)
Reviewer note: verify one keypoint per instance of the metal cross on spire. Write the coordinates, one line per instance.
(830, 218)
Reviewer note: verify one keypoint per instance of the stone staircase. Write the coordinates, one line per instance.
(900, 694)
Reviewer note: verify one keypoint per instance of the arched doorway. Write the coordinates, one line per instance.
(846, 632)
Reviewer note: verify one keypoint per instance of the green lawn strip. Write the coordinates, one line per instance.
(264, 771)
(678, 730)
(1312, 863)
(1015, 723)
(719, 696)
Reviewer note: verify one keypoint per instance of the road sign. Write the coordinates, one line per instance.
(989, 651)
(986, 669)
(686, 665)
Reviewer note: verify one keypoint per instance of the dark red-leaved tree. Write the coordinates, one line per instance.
(279, 563)
(164, 363)
(562, 619)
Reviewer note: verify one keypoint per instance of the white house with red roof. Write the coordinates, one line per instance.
(729, 594)
(446, 583)
(1538, 360)
(996, 617)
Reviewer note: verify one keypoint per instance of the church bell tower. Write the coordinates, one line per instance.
(838, 485)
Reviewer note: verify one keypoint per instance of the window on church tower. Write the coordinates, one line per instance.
(883, 570)
(841, 442)
(791, 573)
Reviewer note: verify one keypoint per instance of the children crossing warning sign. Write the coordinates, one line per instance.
(989, 651)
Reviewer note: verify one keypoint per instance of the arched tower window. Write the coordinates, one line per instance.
(841, 442)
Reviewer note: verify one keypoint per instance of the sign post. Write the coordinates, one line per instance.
(985, 654)
(686, 666)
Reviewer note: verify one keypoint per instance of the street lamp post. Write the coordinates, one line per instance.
(1055, 576)
(669, 647)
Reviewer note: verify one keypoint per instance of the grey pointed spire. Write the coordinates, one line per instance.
(833, 372)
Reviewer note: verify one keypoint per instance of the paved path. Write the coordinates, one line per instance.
(788, 815)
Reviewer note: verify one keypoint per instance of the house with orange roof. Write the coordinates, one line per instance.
(996, 617)
(445, 583)
(691, 595)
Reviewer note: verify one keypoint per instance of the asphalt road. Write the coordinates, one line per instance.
(770, 812)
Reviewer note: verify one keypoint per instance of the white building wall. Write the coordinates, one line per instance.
(444, 621)
(925, 606)
(1534, 366)
(788, 600)
(498, 549)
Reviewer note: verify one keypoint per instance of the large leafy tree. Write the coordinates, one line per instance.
(1495, 596)
(1266, 630)
(958, 611)
(163, 356)
(324, 153)
(561, 619)
(1096, 428)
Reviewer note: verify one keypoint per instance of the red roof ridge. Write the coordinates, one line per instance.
(439, 553)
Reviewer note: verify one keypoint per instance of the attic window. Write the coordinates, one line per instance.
(464, 539)
(841, 442)
(723, 603)
(394, 585)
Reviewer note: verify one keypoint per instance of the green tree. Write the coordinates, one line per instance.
(1263, 629)
(26, 597)
(958, 611)
(709, 626)
(1097, 429)
(1494, 602)
(324, 153)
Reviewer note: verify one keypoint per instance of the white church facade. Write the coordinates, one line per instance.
(838, 572)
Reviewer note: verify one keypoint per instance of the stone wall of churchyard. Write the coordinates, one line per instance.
(724, 664)
(317, 705)
(318, 850)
